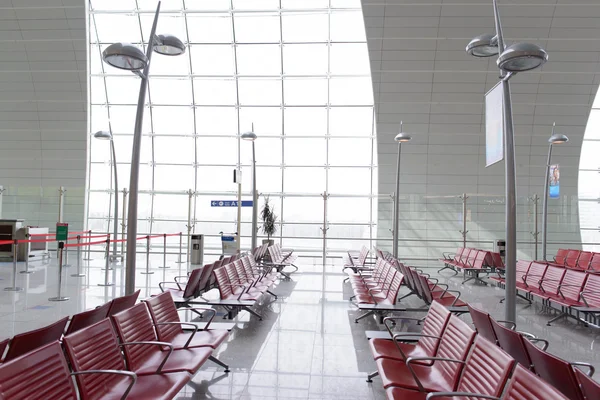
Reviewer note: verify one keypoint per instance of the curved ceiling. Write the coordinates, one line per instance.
(423, 76)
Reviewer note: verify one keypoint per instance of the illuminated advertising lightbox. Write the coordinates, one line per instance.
(494, 125)
(554, 178)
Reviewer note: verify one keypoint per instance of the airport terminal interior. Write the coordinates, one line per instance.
(299, 199)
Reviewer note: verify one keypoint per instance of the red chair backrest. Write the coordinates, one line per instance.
(192, 285)
(555, 371)
(135, 325)
(522, 269)
(571, 258)
(203, 284)
(572, 284)
(595, 263)
(162, 309)
(552, 279)
(427, 297)
(392, 294)
(527, 386)
(486, 370)
(93, 348)
(482, 259)
(589, 387)
(87, 318)
(28, 341)
(39, 374)
(434, 325)
(512, 343)
(482, 323)
(585, 257)
(222, 282)
(535, 274)
(455, 344)
(497, 261)
(561, 256)
(591, 291)
(123, 303)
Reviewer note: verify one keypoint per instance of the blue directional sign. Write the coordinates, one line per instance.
(230, 203)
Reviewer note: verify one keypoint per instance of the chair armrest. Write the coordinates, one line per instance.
(457, 297)
(213, 311)
(544, 341)
(413, 359)
(185, 346)
(590, 367)
(129, 374)
(397, 336)
(512, 327)
(153, 343)
(162, 289)
(181, 276)
(581, 294)
(460, 394)
(527, 335)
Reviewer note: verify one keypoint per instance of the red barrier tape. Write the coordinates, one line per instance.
(85, 244)
(6, 242)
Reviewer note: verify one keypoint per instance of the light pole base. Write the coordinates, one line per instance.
(13, 289)
(61, 298)
(106, 284)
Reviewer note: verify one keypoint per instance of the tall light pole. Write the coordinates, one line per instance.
(518, 57)
(128, 57)
(556, 138)
(251, 136)
(106, 135)
(400, 138)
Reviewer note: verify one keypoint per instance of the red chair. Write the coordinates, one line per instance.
(561, 256)
(123, 303)
(513, 343)
(549, 285)
(523, 385)
(87, 318)
(40, 374)
(589, 387)
(443, 373)
(144, 354)
(483, 324)
(590, 295)
(169, 327)
(486, 372)
(427, 346)
(28, 341)
(572, 258)
(96, 348)
(191, 288)
(556, 371)
(595, 263)
(585, 258)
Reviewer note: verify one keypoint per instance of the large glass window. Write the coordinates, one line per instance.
(296, 70)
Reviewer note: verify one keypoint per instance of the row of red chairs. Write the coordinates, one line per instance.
(25, 342)
(472, 261)
(567, 290)
(450, 359)
(429, 289)
(355, 261)
(139, 353)
(577, 259)
(279, 260)
(380, 285)
(565, 376)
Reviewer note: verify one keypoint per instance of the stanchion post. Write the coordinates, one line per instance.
(147, 272)
(106, 267)
(180, 260)
(164, 252)
(66, 255)
(59, 297)
(89, 248)
(123, 224)
(78, 274)
(14, 287)
(27, 270)
(107, 264)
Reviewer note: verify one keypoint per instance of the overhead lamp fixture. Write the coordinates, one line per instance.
(403, 137)
(251, 136)
(521, 57)
(125, 56)
(558, 139)
(103, 135)
(168, 45)
(485, 45)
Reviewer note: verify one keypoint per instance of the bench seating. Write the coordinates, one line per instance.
(354, 262)
(577, 259)
(472, 262)
(280, 260)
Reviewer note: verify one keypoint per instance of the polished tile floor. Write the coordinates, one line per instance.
(306, 347)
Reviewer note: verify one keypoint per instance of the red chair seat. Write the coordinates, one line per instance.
(209, 338)
(156, 387)
(385, 348)
(183, 360)
(397, 393)
(396, 373)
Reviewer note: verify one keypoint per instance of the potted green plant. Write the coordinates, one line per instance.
(269, 221)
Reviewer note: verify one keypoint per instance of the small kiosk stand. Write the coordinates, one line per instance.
(228, 243)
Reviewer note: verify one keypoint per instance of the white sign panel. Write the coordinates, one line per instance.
(494, 125)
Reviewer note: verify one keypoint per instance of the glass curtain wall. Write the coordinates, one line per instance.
(589, 181)
(296, 69)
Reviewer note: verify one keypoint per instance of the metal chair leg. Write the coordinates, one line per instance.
(371, 376)
(365, 315)
(219, 362)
